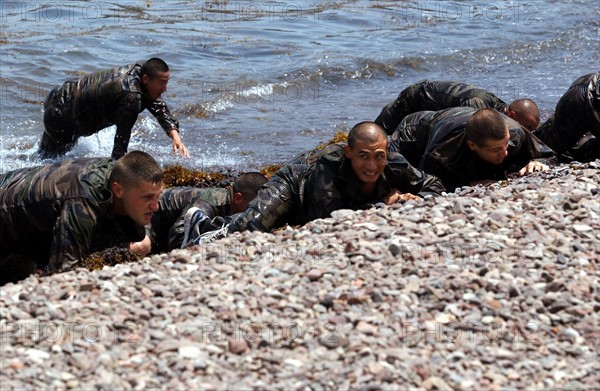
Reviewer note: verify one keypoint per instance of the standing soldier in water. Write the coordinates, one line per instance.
(116, 96)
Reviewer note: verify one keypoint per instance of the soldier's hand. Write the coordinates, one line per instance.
(141, 248)
(532, 167)
(178, 146)
(397, 196)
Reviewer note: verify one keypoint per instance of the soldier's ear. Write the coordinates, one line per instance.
(238, 202)
(117, 189)
(347, 152)
(238, 196)
(472, 146)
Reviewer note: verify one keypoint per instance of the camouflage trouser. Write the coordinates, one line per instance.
(577, 113)
(403, 139)
(58, 138)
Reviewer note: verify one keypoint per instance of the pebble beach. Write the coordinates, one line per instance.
(487, 288)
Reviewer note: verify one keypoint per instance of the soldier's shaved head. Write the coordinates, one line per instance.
(134, 167)
(524, 111)
(484, 125)
(248, 184)
(368, 132)
(153, 67)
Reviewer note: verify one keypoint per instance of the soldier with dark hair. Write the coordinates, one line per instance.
(71, 209)
(438, 95)
(82, 107)
(464, 146)
(356, 176)
(184, 212)
(574, 129)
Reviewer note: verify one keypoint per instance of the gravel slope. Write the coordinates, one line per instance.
(490, 288)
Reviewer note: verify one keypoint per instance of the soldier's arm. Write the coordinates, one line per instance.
(170, 125)
(450, 180)
(409, 179)
(326, 196)
(272, 204)
(527, 153)
(127, 113)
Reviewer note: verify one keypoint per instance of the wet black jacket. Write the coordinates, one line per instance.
(435, 141)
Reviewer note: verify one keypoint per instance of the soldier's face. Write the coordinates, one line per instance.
(492, 151)
(157, 85)
(529, 122)
(368, 160)
(138, 202)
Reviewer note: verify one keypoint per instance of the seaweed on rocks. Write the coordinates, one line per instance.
(110, 257)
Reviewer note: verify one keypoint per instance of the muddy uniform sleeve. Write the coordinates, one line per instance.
(437, 168)
(72, 233)
(161, 112)
(325, 193)
(274, 202)
(525, 147)
(127, 113)
(408, 179)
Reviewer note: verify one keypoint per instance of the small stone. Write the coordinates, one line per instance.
(582, 228)
(333, 340)
(37, 355)
(192, 352)
(314, 274)
(513, 292)
(238, 346)
(558, 306)
(444, 318)
(436, 383)
(366, 328)
(571, 335)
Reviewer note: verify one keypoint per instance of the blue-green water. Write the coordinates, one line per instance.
(256, 82)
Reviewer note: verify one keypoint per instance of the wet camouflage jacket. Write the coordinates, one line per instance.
(577, 113)
(435, 142)
(435, 95)
(110, 97)
(61, 212)
(166, 230)
(299, 193)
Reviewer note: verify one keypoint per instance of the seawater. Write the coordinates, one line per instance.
(255, 82)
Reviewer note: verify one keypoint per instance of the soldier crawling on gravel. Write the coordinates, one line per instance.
(200, 209)
(439, 95)
(574, 130)
(53, 216)
(464, 146)
(355, 177)
(85, 106)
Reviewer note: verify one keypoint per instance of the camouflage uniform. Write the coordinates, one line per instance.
(85, 106)
(435, 142)
(435, 95)
(57, 214)
(166, 230)
(299, 193)
(577, 113)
